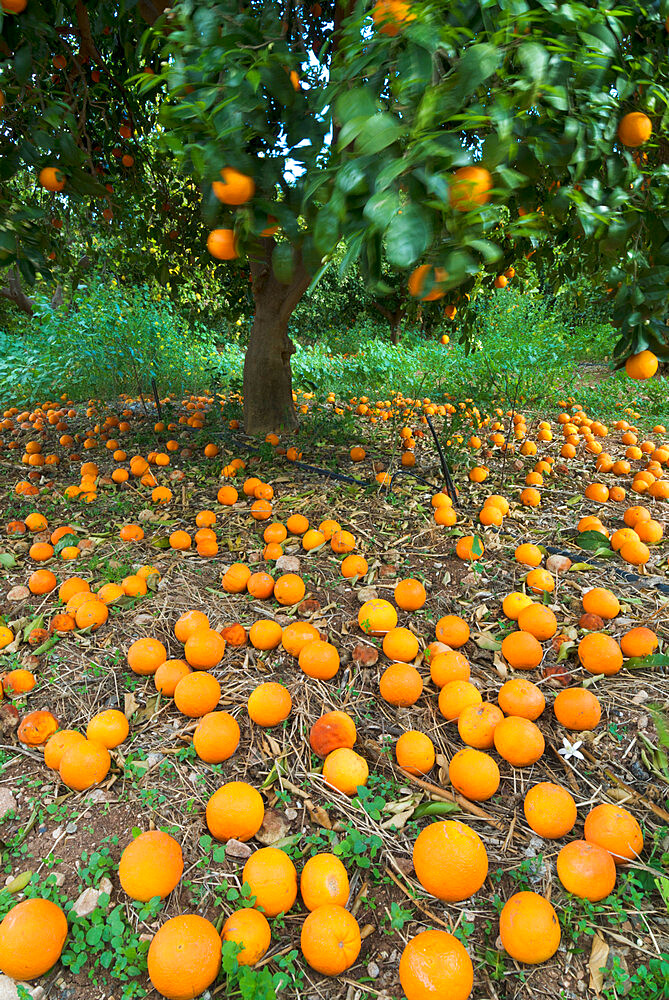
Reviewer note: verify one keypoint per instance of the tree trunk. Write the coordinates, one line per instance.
(396, 327)
(268, 386)
(15, 293)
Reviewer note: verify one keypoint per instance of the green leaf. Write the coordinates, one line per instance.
(7, 560)
(379, 132)
(476, 65)
(408, 236)
(592, 541)
(650, 662)
(326, 231)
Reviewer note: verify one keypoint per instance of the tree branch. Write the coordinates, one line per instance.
(15, 293)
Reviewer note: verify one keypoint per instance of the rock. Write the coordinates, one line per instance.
(89, 900)
(238, 850)
(366, 594)
(274, 827)
(71, 828)
(309, 607)
(7, 802)
(365, 655)
(38, 993)
(15, 595)
(373, 970)
(254, 557)
(96, 796)
(9, 717)
(558, 564)
(8, 989)
(153, 759)
(288, 564)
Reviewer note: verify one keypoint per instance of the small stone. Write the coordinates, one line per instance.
(87, 902)
(274, 827)
(17, 594)
(640, 698)
(8, 989)
(373, 970)
(238, 850)
(366, 594)
(288, 564)
(291, 814)
(38, 993)
(365, 655)
(58, 878)
(105, 886)
(153, 759)
(7, 802)
(96, 796)
(57, 832)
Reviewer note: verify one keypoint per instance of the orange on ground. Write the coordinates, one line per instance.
(521, 697)
(586, 870)
(400, 685)
(519, 741)
(456, 696)
(146, 655)
(269, 704)
(110, 728)
(272, 879)
(216, 737)
(529, 928)
(197, 694)
(236, 809)
(434, 965)
(188, 623)
(56, 746)
(330, 939)
(477, 724)
(324, 880)
(84, 765)
(204, 649)
(400, 644)
(168, 675)
(616, 830)
(600, 654)
(32, 936)
(377, 617)
(450, 860)
(249, 928)
(151, 865)
(410, 595)
(414, 751)
(577, 709)
(345, 770)
(449, 666)
(474, 774)
(184, 957)
(333, 731)
(550, 810)
(319, 659)
(452, 630)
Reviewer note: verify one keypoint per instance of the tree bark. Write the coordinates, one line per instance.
(15, 293)
(394, 318)
(268, 385)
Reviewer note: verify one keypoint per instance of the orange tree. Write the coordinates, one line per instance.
(457, 138)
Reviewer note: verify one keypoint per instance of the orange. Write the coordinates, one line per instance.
(530, 497)
(197, 694)
(640, 641)
(235, 810)
(474, 774)
(469, 188)
(521, 650)
(222, 244)
(42, 581)
(324, 880)
(616, 830)
(168, 675)
(602, 602)
(269, 704)
(414, 751)
(586, 870)
(539, 621)
(84, 765)
(32, 936)
(204, 649)
(449, 666)
(249, 928)
(36, 728)
(550, 810)
(354, 566)
(18, 682)
(74, 585)
(600, 654)
(529, 928)
(540, 581)
(342, 541)
(434, 965)
(146, 655)
(514, 603)
(110, 728)
(234, 189)
(265, 634)
(477, 724)
(184, 957)
(469, 547)
(450, 860)
(216, 737)
(297, 635)
(420, 275)
(521, 697)
(289, 589)
(330, 939)
(400, 644)
(272, 879)
(319, 659)
(634, 514)
(188, 623)
(151, 865)
(577, 709)
(410, 595)
(400, 685)
(455, 696)
(235, 578)
(452, 630)
(377, 617)
(519, 741)
(634, 129)
(234, 635)
(345, 770)
(529, 555)
(91, 614)
(332, 731)
(650, 532)
(57, 744)
(635, 553)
